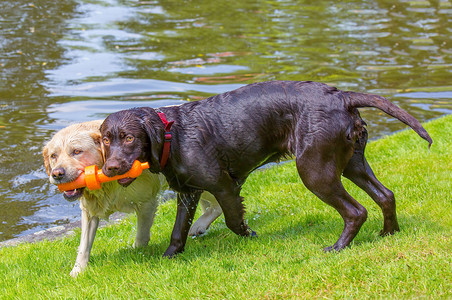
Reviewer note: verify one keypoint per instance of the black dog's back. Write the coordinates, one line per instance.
(261, 121)
(287, 106)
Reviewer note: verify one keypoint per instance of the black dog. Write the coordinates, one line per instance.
(217, 142)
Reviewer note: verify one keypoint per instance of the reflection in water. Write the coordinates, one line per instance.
(96, 109)
(29, 34)
(126, 86)
(78, 60)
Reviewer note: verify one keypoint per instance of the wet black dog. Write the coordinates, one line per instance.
(217, 142)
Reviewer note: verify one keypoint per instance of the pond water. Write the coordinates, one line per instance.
(75, 60)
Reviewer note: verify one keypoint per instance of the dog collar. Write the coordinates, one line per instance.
(167, 142)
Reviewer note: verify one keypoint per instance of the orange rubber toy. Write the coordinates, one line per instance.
(92, 177)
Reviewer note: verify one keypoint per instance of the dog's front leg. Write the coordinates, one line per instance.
(89, 228)
(145, 219)
(186, 208)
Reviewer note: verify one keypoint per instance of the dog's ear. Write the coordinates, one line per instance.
(97, 139)
(155, 131)
(102, 148)
(102, 151)
(45, 154)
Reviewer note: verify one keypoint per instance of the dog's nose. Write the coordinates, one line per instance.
(58, 173)
(112, 168)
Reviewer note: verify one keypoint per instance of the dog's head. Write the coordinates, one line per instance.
(129, 135)
(71, 150)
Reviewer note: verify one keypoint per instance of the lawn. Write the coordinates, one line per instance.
(286, 260)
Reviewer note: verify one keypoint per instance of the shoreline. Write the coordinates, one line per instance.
(58, 232)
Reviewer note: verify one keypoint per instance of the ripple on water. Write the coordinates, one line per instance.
(129, 86)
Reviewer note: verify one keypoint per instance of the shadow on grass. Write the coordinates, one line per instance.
(313, 231)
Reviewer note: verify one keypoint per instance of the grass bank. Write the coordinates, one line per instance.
(286, 260)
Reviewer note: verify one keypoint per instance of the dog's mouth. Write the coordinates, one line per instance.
(73, 195)
(125, 182)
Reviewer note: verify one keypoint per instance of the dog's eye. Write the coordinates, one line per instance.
(106, 141)
(129, 139)
(53, 156)
(77, 152)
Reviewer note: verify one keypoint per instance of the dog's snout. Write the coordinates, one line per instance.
(112, 168)
(58, 173)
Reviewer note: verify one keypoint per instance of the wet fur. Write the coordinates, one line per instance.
(219, 141)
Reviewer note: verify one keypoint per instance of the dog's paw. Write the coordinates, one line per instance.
(386, 232)
(333, 249)
(76, 270)
(140, 243)
(329, 249)
(172, 251)
(250, 233)
(197, 230)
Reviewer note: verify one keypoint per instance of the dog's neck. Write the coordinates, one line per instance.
(167, 141)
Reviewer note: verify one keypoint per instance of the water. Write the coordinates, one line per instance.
(76, 60)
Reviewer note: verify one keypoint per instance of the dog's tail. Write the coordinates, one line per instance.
(367, 100)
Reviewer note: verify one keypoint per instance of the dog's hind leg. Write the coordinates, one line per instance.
(89, 227)
(320, 170)
(360, 173)
(186, 208)
(145, 219)
(211, 211)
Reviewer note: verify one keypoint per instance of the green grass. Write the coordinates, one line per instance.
(286, 260)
